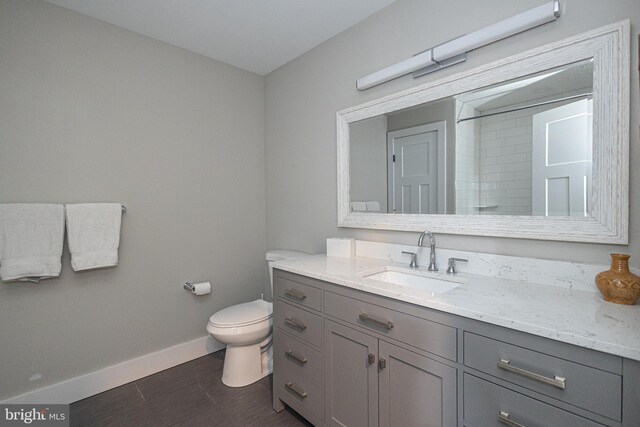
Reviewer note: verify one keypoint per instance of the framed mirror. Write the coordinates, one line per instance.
(532, 146)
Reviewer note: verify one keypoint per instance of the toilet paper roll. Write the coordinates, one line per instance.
(201, 288)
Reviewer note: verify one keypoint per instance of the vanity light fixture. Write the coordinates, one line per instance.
(455, 51)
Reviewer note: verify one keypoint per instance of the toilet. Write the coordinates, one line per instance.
(246, 330)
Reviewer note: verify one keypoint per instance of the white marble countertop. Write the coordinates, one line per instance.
(573, 316)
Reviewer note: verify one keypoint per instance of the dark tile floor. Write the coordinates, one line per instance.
(187, 395)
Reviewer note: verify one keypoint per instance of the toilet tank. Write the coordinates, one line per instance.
(278, 255)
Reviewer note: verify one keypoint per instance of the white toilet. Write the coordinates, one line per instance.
(246, 330)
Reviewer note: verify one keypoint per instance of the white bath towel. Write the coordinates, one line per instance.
(373, 206)
(93, 234)
(31, 236)
(358, 206)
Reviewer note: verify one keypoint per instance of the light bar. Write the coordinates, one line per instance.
(442, 56)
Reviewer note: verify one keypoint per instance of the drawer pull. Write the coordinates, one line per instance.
(295, 293)
(388, 325)
(503, 417)
(301, 393)
(556, 381)
(298, 324)
(295, 356)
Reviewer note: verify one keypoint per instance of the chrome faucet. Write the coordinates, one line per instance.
(432, 256)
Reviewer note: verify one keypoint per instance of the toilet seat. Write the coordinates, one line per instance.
(245, 314)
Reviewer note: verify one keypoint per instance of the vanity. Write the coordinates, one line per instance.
(533, 146)
(354, 351)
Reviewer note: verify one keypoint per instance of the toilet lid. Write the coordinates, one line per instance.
(242, 314)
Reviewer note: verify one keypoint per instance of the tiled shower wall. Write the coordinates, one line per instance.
(467, 161)
(503, 172)
(505, 163)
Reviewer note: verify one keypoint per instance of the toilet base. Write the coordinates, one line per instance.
(244, 365)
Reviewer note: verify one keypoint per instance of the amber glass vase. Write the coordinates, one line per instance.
(618, 284)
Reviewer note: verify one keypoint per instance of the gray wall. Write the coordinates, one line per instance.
(303, 96)
(88, 113)
(368, 157)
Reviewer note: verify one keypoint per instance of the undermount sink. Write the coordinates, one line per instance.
(434, 285)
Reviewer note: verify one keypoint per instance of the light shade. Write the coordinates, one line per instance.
(396, 70)
(434, 56)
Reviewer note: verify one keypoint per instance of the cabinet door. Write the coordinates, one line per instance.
(415, 390)
(351, 377)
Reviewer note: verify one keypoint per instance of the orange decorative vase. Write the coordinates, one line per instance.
(618, 284)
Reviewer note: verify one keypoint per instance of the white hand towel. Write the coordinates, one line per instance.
(31, 236)
(358, 206)
(93, 235)
(373, 206)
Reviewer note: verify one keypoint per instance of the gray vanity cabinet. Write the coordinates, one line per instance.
(489, 405)
(351, 377)
(344, 357)
(369, 382)
(415, 390)
(369, 376)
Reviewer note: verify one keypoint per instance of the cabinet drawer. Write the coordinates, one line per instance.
(296, 356)
(298, 392)
(421, 333)
(299, 323)
(299, 293)
(583, 386)
(485, 403)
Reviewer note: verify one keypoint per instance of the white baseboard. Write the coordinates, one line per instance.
(81, 387)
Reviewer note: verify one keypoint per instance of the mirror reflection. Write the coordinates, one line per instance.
(523, 147)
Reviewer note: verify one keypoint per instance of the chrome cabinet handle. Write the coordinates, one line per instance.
(295, 356)
(388, 325)
(301, 393)
(503, 417)
(295, 293)
(556, 381)
(292, 321)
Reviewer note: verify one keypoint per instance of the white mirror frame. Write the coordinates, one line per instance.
(608, 223)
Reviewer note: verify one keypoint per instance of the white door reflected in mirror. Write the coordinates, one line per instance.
(562, 160)
(416, 169)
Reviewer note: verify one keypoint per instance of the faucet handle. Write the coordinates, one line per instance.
(414, 259)
(452, 264)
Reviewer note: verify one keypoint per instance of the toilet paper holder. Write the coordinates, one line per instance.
(198, 289)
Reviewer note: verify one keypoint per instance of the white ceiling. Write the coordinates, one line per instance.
(561, 81)
(255, 35)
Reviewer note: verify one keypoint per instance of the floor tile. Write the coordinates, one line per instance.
(169, 380)
(103, 406)
(286, 418)
(247, 404)
(188, 395)
(166, 410)
(210, 416)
